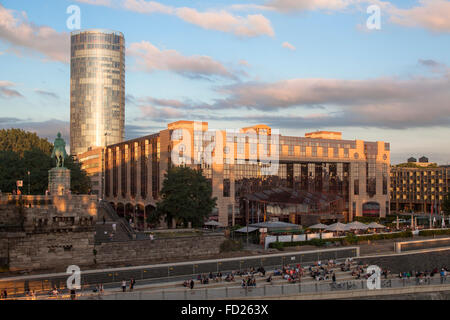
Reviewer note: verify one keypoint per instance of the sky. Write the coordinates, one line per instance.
(295, 65)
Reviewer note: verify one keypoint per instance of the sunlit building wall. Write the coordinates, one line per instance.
(321, 162)
(97, 89)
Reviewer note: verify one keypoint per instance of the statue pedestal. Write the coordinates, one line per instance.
(58, 181)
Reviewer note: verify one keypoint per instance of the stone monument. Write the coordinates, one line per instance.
(59, 177)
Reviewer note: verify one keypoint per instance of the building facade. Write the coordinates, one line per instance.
(92, 161)
(97, 89)
(241, 162)
(418, 189)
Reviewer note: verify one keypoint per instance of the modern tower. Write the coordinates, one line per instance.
(97, 89)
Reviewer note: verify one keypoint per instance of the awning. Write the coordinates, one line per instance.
(244, 229)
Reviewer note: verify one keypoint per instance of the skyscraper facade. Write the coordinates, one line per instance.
(97, 89)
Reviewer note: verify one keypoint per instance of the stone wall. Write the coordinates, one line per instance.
(158, 250)
(51, 251)
(47, 232)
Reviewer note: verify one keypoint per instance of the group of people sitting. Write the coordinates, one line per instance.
(249, 281)
(421, 276)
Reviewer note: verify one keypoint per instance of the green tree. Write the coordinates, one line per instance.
(19, 141)
(446, 204)
(79, 181)
(9, 165)
(185, 196)
(22, 152)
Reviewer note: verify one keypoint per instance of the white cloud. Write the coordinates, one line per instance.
(25, 36)
(147, 7)
(249, 26)
(150, 58)
(430, 14)
(106, 3)
(244, 26)
(300, 5)
(288, 46)
(6, 91)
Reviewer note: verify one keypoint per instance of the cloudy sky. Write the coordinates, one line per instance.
(296, 65)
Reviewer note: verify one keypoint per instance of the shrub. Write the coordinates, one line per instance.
(230, 245)
(427, 233)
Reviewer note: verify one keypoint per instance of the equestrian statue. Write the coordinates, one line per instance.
(59, 151)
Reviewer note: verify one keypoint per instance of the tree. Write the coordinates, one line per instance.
(19, 141)
(22, 152)
(446, 204)
(79, 181)
(185, 196)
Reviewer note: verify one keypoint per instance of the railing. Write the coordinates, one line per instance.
(176, 272)
(115, 217)
(266, 290)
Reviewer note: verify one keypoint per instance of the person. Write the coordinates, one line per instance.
(124, 286)
(132, 282)
(114, 227)
(104, 219)
(192, 284)
(100, 289)
(334, 277)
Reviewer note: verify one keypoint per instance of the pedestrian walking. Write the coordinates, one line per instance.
(124, 286)
(191, 285)
(132, 282)
(334, 277)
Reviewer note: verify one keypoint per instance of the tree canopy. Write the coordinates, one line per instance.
(446, 204)
(19, 141)
(186, 196)
(22, 152)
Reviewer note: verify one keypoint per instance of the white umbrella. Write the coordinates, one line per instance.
(375, 225)
(356, 225)
(336, 227)
(213, 223)
(318, 226)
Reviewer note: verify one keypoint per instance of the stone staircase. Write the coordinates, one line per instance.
(103, 231)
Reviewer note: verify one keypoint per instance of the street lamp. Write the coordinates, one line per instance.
(28, 182)
(246, 215)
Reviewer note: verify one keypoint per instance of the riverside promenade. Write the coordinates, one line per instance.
(346, 286)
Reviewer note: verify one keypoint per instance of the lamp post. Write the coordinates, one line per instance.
(28, 182)
(246, 215)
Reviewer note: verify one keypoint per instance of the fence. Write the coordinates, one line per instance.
(267, 290)
(111, 278)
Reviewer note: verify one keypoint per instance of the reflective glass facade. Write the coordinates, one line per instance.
(97, 89)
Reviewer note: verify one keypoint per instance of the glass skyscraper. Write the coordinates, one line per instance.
(97, 89)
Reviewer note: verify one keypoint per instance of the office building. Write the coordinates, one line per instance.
(325, 175)
(97, 89)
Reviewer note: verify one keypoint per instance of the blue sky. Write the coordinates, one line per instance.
(296, 65)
